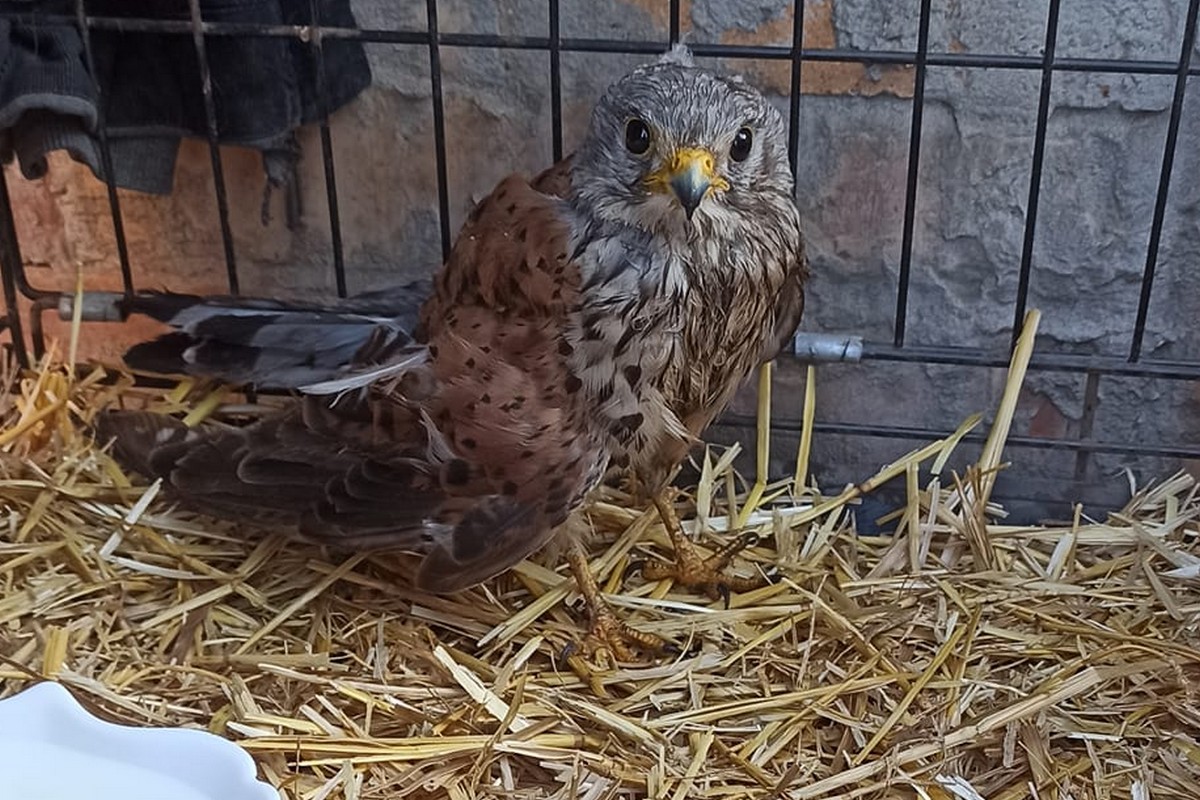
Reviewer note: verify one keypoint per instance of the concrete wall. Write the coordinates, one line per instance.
(1103, 153)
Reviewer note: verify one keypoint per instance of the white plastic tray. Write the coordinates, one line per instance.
(52, 749)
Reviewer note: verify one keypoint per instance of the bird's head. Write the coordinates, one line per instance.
(676, 148)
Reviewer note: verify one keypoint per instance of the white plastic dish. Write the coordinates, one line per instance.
(52, 749)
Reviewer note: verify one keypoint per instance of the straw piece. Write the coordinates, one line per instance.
(1075, 685)
(989, 459)
(55, 654)
(944, 652)
(912, 516)
(763, 440)
(204, 409)
(76, 319)
(300, 602)
(807, 418)
(703, 743)
(480, 693)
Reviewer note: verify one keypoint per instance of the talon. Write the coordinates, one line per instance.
(723, 556)
(620, 641)
(607, 633)
(690, 570)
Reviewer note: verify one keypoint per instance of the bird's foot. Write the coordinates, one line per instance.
(709, 574)
(706, 574)
(611, 639)
(609, 643)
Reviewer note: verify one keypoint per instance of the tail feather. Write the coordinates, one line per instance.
(322, 491)
(275, 345)
(278, 472)
(136, 436)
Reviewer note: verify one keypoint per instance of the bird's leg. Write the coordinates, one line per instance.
(607, 630)
(689, 568)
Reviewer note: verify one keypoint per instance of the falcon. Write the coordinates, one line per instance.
(588, 323)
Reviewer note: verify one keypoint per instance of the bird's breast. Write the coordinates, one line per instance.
(659, 346)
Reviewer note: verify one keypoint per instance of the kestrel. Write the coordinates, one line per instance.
(589, 322)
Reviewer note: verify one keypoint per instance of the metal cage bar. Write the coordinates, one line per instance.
(795, 86)
(1047, 362)
(915, 434)
(1035, 170)
(1164, 180)
(10, 262)
(620, 46)
(914, 171)
(106, 159)
(14, 263)
(556, 140)
(214, 148)
(331, 195)
(439, 123)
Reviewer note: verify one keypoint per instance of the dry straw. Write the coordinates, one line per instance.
(963, 658)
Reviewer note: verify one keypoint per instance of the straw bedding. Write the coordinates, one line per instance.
(960, 658)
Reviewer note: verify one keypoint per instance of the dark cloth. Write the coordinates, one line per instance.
(263, 88)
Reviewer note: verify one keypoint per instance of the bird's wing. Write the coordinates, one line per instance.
(322, 466)
(509, 406)
(463, 440)
(789, 308)
(555, 181)
(271, 344)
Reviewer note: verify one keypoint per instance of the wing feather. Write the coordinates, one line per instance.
(454, 433)
(789, 309)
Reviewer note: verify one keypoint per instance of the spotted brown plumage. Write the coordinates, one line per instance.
(593, 320)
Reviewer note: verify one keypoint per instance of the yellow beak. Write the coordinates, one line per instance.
(690, 174)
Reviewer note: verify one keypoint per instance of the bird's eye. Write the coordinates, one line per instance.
(637, 136)
(740, 149)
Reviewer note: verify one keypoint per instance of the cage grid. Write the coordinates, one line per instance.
(1091, 368)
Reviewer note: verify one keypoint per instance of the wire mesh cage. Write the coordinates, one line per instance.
(955, 167)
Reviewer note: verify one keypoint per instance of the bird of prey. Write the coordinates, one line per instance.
(591, 321)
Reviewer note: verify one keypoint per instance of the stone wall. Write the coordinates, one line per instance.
(1103, 153)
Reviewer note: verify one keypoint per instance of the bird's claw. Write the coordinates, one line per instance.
(608, 638)
(707, 575)
(611, 637)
